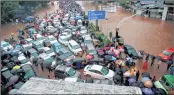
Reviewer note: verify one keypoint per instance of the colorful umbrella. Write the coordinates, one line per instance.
(89, 57)
(145, 79)
(120, 62)
(132, 80)
(17, 67)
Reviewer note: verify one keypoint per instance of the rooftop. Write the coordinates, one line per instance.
(48, 86)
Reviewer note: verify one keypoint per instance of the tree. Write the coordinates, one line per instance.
(8, 9)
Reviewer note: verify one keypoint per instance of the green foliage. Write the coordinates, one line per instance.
(124, 3)
(8, 9)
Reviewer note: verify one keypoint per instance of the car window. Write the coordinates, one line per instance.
(92, 71)
(166, 53)
(52, 39)
(24, 61)
(5, 45)
(35, 54)
(71, 72)
(49, 51)
(105, 70)
(98, 72)
(39, 46)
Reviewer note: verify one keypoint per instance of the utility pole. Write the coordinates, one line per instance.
(96, 8)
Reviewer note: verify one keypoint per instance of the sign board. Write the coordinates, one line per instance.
(153, 3)
(96, 15)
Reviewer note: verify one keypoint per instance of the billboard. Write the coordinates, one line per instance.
(96, 15)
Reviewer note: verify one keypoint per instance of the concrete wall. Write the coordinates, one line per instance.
(48, 86)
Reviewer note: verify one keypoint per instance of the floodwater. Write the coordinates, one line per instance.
(148, 34)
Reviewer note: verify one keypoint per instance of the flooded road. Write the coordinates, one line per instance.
(148, 34)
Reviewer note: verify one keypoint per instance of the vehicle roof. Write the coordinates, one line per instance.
(90, 47)
(21, 57)
(3, 42)
(56, 44)
(43, 55)
(46, 48)
(25, 45)
(29, 39)
(96, 67)
(32, 50)
(72, 42)
(171, 49)
(170, 79)
(88, 38)
(50, 36)
(73, 79)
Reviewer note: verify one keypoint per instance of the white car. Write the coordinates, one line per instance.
(73, 79)
(5, 46)
(29, 41)
(51, 29)
(74, 47)
(47, 58)
(83, 31)
(49, 51)
(24, 60)
(40, 38)
(63, 40)
(99, 72)
(52, 39)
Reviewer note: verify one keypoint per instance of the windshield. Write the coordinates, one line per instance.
(49, 51)
(49, 60)
(166, 53)
(39, 46)
(64, 39)
(35, 54)
(92, 51)
(87, 41)
(76, 47)
(52, 39)
(5, 45)
(105, 70)
(24, 61)
(40, 38)
(71, 72)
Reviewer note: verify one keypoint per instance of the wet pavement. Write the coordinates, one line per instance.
(148, 34)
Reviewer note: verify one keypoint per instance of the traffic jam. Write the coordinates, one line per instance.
(65, 43)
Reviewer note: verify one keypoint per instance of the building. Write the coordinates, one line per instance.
(48, 86)
(162, 9)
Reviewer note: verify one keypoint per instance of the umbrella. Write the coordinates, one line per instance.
(146, 74)
(145, 79)
(10, 65)
(123, 70)
(120, 62)
(148, 84)
(89, 57)
(140, 84)
(132, 80)
(133, 84)
(147, 91)
(12, 80)
(17, 67)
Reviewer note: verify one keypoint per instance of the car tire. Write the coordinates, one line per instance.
(88, 75)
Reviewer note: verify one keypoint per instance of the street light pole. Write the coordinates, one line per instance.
(96, 8)
(107, 27)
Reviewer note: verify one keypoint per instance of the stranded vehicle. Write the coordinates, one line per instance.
(167, 54)
(166, 83)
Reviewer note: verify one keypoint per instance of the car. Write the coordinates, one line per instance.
(65, 21)
(40, 38)
(51, 29)
(32, 53)
(38, 46)
(29, 71)
(99, 72)
(5, 46)
(52, 39)
(74, 47)
(74, 79)
(29, 41)
(62, 71)
(87, 40)
(14, 52)
(56, 23)
(130, 51)
(49, 51)
(27, 26)
(49, 61)
(26, 47)
(63, 40)
(91, 49)
(167, 54)
(72, 20)
(166, 83)
(83, 31)
(79, 23)
(59, 49)
(24, 60)
(105, 81)
(66, 56)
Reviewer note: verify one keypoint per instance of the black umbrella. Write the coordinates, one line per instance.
(10, 65)
(12, 80)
